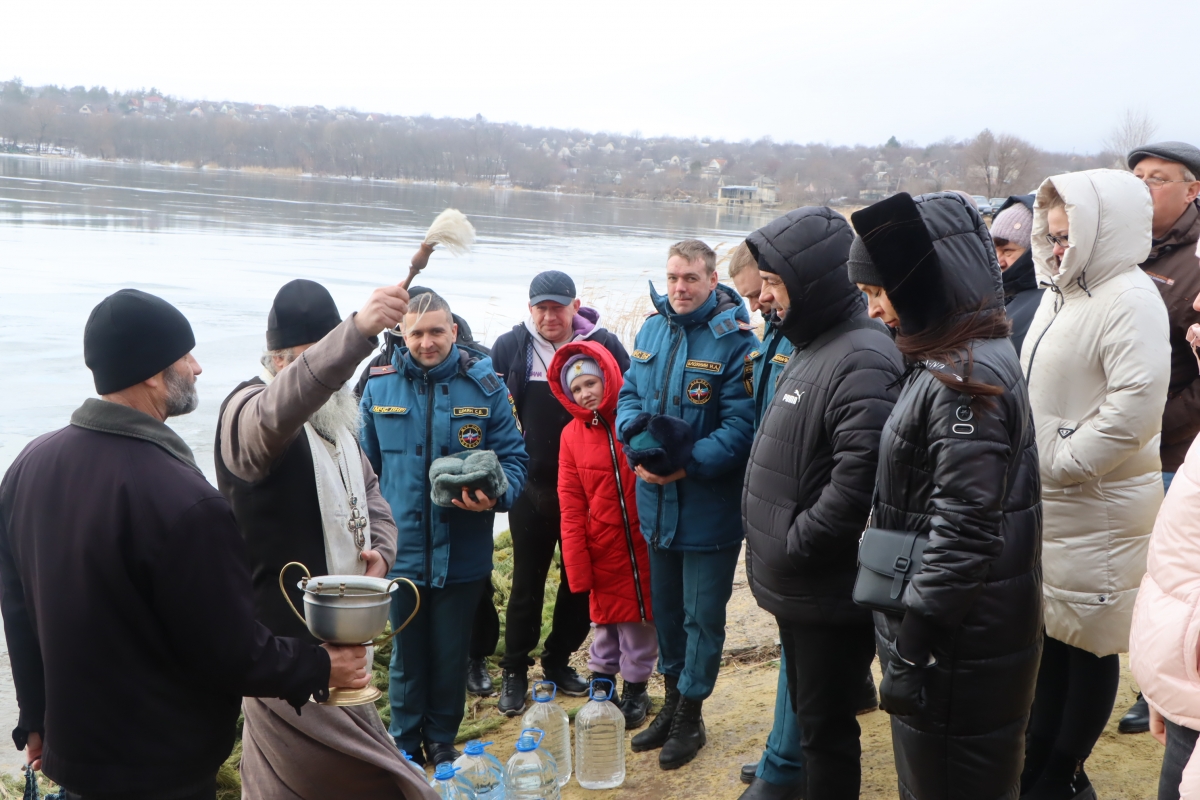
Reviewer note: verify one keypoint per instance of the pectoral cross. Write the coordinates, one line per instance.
(356, 524)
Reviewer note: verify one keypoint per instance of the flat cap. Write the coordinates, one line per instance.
(1179, 152)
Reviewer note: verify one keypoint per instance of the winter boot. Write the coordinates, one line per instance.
(635, 704)
(687, 734)
(610, 687)
(513, 689)
(659, 731)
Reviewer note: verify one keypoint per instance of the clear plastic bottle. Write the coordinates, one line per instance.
(482, 770)
(547, 715)
(448, 785)
(531, 773)
(416, 768)
(600, 740)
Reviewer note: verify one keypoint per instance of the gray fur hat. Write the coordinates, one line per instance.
(476, 470)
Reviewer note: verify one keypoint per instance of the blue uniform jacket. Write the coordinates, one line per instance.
(767, 364)
(411, 417)
(693, 366)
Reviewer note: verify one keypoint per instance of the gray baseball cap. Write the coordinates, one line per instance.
(552, 285)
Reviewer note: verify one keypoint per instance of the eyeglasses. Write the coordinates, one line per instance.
(1058, 241)
(1155, 182)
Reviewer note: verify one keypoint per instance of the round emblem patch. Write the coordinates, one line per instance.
(699, 391)
(470, 435)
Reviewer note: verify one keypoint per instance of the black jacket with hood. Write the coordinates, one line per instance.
(1021, 291)
(967, 474)
(812, 467)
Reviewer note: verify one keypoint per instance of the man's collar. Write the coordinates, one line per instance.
(108, 417)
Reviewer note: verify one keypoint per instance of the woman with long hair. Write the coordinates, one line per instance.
(958, 463)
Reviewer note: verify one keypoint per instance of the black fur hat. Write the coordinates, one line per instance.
(661, 444)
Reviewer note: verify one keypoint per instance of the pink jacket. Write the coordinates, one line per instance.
(1164, 645)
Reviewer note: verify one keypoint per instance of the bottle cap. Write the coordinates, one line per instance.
(527, 742)
(544, 698)
(475, 747)
(445, 771)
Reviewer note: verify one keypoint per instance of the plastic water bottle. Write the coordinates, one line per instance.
(531, 773)
(416, 768)
(547, 715)
(448, 785)
(600, 740)
(482, 770)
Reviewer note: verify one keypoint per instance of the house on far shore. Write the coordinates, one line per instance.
(154, 103)
(759, 193)
(196, 112)
(85, 109)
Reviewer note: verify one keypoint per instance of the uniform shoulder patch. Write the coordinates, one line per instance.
(513, 405)
(489, 382)
(753, 354)
(746, 326)
(386, 369)
(780, 358)
(748, 374)
(641, 355)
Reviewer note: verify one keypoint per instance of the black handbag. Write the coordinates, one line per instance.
(887, 561)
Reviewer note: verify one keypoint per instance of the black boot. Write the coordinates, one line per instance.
(566, 679)
(513, 689)
(868, 701)
(687, 735)
(749, 772)
(1137, 718)
(478, 681)
(765, 790)
(610, 688)
(635, 704)
(659, 731)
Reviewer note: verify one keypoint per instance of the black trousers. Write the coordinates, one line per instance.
(827, 666)
(1181, 742)
(205, 790)
(485, 631)
(1071, 705)
(535, 534)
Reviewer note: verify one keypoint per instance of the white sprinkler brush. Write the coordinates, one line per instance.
(452, 230)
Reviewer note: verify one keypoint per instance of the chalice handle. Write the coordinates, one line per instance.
(416, 595)
(291, 605)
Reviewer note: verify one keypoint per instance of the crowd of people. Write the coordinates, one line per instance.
(949, 450)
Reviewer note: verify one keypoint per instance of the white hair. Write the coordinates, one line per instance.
(288, 354)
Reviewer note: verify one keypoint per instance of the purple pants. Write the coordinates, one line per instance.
(628, 649)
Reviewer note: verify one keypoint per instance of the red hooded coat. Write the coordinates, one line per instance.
(603, 549)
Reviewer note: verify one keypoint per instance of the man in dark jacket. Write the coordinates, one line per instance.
(686, 417)
(521, 358)
(1169, 170)
(485, 630)
(809, 482)
(1010, 235)
(127, 603)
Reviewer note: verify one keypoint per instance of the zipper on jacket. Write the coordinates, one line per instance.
(612, 449)
(428, 496)
(662, 409)
(1058, 304)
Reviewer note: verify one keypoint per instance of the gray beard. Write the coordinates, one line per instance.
(181, 393)
(340, 412)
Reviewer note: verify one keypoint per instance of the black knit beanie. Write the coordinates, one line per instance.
(303, 312)
(860, 266)
(131, 336)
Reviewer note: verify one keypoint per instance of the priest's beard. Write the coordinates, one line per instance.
(181, 392)
(340, 411)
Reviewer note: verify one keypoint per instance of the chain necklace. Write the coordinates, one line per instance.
(357, 522)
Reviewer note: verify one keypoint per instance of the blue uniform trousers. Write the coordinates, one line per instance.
(429, 663)
(782, 762)
(690, 591)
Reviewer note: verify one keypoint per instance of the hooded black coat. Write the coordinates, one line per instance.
(967, 475)
(808, 486)
(1021, 292)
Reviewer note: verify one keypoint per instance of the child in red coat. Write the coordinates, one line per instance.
(603, 550)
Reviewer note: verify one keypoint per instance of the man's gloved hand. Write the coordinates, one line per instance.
(902, 691)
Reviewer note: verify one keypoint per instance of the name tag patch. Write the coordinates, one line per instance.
(780, 358)
(471, 411)
(389, 409)
(707, 366)
(641, 355)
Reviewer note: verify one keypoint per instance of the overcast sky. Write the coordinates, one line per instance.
(1058, 72)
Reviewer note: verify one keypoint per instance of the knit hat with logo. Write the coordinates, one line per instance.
(1013, 224)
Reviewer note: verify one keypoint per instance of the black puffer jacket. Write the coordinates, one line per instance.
(812, 466)
(977, 599)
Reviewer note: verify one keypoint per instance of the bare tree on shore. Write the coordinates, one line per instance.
(1134, 129)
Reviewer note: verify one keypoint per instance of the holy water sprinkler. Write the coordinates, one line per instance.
(452, 230)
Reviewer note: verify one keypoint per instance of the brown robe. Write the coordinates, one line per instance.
(327, 751)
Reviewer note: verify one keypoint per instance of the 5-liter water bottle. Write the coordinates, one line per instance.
(531, 773)
(547, 715)
(482, 770)
(448, 785)
(416, 768)
(600, 740)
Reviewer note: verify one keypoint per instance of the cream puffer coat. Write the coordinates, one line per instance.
(1097, 361)
(1164, 648)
